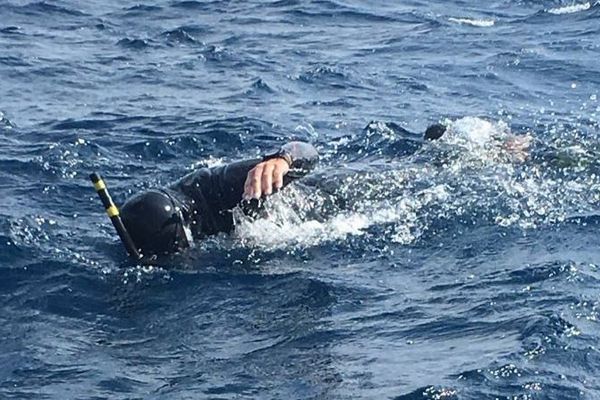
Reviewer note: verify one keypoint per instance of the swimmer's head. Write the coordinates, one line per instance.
(435, 132)
(157, 223)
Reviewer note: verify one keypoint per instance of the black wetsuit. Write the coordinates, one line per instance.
(208, 195)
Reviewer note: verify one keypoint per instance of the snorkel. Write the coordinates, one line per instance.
(115, 218)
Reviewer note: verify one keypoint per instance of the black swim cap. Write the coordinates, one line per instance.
(435, 131)
(156, 222)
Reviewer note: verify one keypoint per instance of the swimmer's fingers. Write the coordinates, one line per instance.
(272, 175)
(281, 168)
(252, 186)
(267, 178)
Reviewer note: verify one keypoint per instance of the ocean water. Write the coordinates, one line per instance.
(398, 270)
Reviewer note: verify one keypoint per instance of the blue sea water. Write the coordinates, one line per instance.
(449, 270)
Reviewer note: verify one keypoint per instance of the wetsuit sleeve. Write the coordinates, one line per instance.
(211, 193)
(302, 158)
(228, 181)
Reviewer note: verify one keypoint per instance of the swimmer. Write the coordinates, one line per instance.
(167, 220)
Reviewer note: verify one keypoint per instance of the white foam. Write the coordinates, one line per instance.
(475, 134)
(285, 226)
(482, 23)
(570, 9)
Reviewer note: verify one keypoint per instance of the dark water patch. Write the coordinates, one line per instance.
(182, 35)
(516, 380)
(101, 26)
(380, 138)
(223, 57)
(334, 12)
(46, 8)
(13, 61)
(102, 120)
(150, 75)
(10, 253)
(54, 295)
(119, 384)
(545, 329)
(12, 30)
(584, 220)
(519, 277)
(6, 123)
(323, 75)
(536, 274)
(110, 60)
(231, 135)
(411, 84)
(285, 3)
(593, 13)
(322, 72)
(36, 167)
(135, 43)
(260, 86)
(341, 102)
(194, 5)
(341, 16)
(242, 128)
(159, 151)
(143, 9)
(84, 124)
(429, 393)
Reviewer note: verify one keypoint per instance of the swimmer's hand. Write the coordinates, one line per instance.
(265, 177)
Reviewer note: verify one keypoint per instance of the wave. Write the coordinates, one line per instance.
(260, 86)
(143, 8)
(135, 43)
(570, 9)
(183, 35)
(218, 54)
(377, 139)
(334, 12)
(45, 8)
(11, 30)
(325, 75)
(192, 4)
(5, 122)
(342, 15)
(482, 23)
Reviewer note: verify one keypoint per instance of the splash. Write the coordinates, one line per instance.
(471, 177)
(287, 226)
(473, 133)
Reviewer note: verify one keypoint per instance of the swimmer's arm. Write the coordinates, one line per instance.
(253, 179)
(292, 161)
